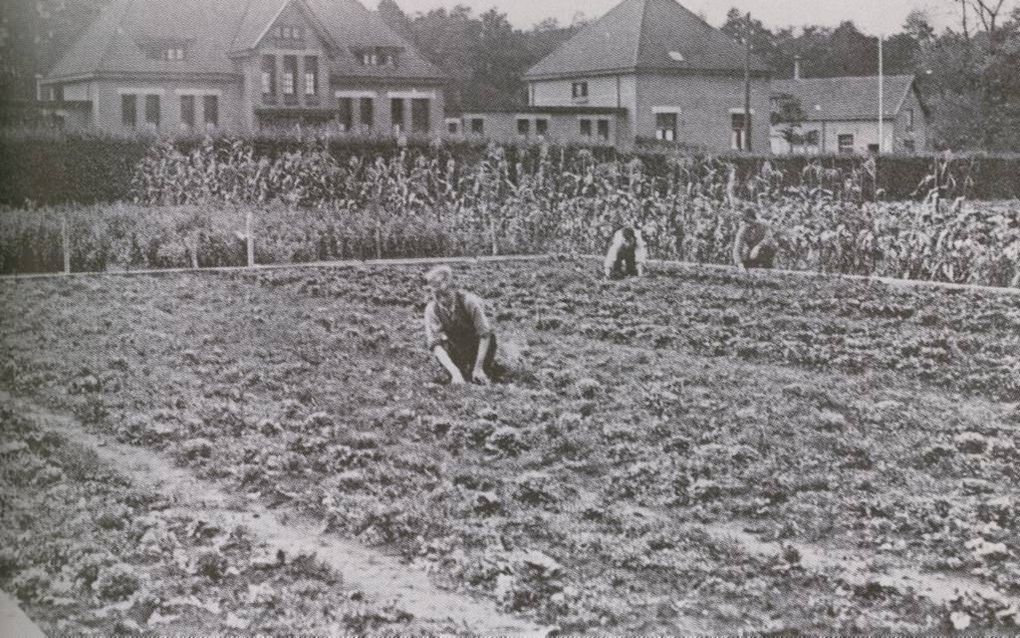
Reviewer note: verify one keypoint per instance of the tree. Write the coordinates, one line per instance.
(34, 34)
(918, 27)
(787, 111)
(396, 19)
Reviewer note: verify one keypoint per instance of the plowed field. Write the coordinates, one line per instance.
(698, 451)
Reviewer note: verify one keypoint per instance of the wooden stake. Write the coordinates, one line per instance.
(66, 245)
(378, 240)
(250, 239)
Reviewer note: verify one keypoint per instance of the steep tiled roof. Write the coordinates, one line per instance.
(258, 16)
(86, 54)
(363, 28)
(646, 35)
(215, 29)
(846, 98)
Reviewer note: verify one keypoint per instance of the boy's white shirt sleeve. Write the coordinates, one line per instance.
(614, 250)
(640, 248)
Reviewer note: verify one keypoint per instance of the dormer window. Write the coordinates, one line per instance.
(166, 50)
(290, 33)
(378, 56)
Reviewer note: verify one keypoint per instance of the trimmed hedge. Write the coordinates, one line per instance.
(55, 169)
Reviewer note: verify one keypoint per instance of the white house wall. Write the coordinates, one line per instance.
(614, 91)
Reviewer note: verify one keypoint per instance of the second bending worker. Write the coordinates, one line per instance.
(754, 246)
(627, 254)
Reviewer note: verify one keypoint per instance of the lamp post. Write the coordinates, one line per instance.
(747, 83)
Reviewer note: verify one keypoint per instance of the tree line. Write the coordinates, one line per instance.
(967, 72)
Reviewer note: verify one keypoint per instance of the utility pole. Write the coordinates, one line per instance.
(881, 96)
(747, 83)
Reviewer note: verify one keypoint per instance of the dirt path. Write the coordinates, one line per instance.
(380, 576)
(14, 622)
(854, 568)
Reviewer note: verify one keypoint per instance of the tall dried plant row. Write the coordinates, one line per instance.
(192, 207)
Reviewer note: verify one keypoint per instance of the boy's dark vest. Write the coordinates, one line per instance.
(458, 325)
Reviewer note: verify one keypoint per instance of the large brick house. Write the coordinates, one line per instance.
(245, 65)
(648, 69)
(840, 115)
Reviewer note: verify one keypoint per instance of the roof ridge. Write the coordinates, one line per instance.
(641, 32)
(111, 34)
(886, 76)
(240, 23)
(269, 23)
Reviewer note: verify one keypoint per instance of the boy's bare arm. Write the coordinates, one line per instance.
(478, 375)
(444, 359)
(738, 246)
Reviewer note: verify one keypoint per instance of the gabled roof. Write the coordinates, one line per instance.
(216, 29)
(846, 98)
(646, 35)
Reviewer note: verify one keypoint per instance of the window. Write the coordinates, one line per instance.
(541, 126)
(585, 125)
(478, 126)
(579, 90)
(738, 141)
(909, 146)
(376, 57)
(420, 115)
(211, 110)
(152, 110)
(523, 127)
(168, 51)
(129, 110)
(665, 127)
(603, 129)
(811, 138)
(397, 113)
(846, 143)
(188, 110)
(451, 128)
(345, 116)
(290, 33)
(873, 149)
(268, 78)
(311, 76)
(57, 93)
(910, 119)
(289, 76)
(367, 112)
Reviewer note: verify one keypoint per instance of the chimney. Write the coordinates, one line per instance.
(796, 67)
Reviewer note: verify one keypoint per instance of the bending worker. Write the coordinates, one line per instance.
(627, 254)
(754, 246)
(457, 330)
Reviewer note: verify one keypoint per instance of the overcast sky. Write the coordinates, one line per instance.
(870, 16)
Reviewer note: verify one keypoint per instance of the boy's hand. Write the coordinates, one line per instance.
(479, 377)
(457, 379)
(754, 252)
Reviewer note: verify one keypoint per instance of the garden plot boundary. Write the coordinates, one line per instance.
(375, 572)
(425, 261)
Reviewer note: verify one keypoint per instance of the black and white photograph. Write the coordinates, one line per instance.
(509, 318)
